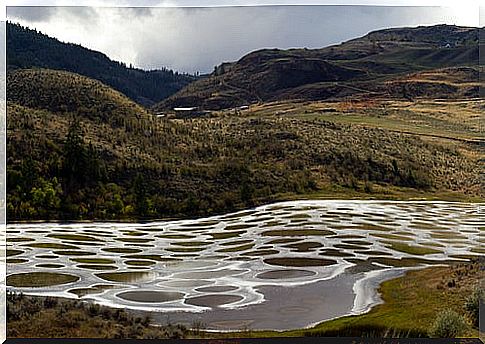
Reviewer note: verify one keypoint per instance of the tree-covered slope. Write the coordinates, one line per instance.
(65, 92)
(29, 48)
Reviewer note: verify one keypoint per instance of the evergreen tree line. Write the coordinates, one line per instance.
(28, 48)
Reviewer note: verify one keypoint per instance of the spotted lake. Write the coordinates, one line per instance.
(278, 266)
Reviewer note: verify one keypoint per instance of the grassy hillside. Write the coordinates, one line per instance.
(358, 67)
(28, 48)
(68, 93)
(78, 149)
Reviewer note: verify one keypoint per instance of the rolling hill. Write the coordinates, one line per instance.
(77, 149)
(65, 92)
(359, 67)
(28, 48)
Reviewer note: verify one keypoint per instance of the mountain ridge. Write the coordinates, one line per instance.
(269, 74)
(27, 48)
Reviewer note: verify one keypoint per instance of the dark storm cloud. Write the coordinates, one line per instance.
(35, 14)
(31, 14)
(197, 39)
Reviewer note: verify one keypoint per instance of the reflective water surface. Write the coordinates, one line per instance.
(246, 262)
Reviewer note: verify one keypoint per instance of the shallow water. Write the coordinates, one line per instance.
(244, 265)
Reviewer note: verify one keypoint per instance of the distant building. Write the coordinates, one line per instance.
(185, 109)
(187, 112)
(160, 114)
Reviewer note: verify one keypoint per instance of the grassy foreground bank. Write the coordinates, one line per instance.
(412, 303)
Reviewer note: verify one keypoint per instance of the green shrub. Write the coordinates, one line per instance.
(448, 324)
(472, 305)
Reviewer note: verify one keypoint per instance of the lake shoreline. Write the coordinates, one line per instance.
(276, 313)
(357, 295)
(347, 326)
(188, 319)
(337, 195)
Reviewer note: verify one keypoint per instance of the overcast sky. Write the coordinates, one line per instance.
(197, 39)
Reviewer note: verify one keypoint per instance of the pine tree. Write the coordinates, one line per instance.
(141, 201)
(75, 156)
